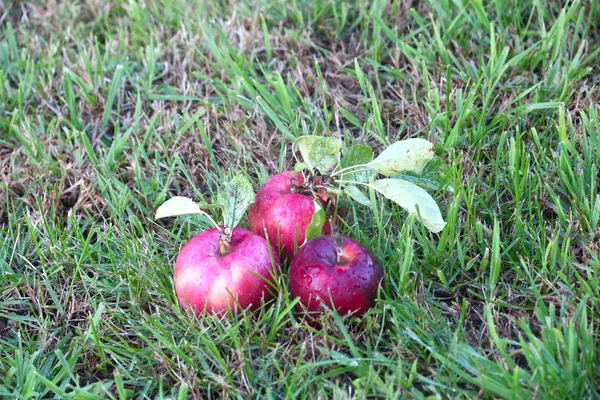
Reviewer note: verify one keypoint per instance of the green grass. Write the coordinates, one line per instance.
(109, 108)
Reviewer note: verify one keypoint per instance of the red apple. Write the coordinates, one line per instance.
(346, 281)
(207, 279)
(282, 212)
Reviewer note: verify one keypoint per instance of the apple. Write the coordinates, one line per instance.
(215, 276)
(337, 271)
(283, 210)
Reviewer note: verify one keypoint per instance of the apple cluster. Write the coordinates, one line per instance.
(293, 219)
(215, 274)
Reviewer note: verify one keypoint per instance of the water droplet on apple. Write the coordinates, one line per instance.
(356, 286)
(332, 291)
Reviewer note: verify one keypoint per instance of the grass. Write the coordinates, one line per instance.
(109, 108)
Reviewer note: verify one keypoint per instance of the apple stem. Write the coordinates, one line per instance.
(339, 252)
(223, 248)
(337, 243)
(224, 240)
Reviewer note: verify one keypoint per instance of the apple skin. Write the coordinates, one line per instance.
(315, 275)
(282, 213)
(204, 278)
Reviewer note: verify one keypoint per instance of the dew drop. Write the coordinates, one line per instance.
(356, 286)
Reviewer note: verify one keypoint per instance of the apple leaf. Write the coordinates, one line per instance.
(413, 199)
(357, 195)
(177, 205)
(434, 176)
(318, 152)
(315, 228)
(234, 198)
(209, 206)
(404, 155)
(357, 155)
(334, 190)
(301, 166)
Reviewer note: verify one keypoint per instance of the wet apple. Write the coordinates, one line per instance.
(283, 210)
(213, 276)
(335, 271)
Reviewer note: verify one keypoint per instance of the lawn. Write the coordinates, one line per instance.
(109, 108)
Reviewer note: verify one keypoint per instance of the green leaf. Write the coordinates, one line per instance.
(414, 200)
(321, 153)
(177, 205)
(357, 155)
(234, 198)
(315, 228)
(301, 166)
(208, 206)
(424, 182)
(405, 155)
(357, 195)
(334, 190)
(434, 176)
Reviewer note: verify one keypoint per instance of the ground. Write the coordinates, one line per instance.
(108, 108)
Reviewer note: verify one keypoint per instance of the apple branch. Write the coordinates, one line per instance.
(179, 205)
